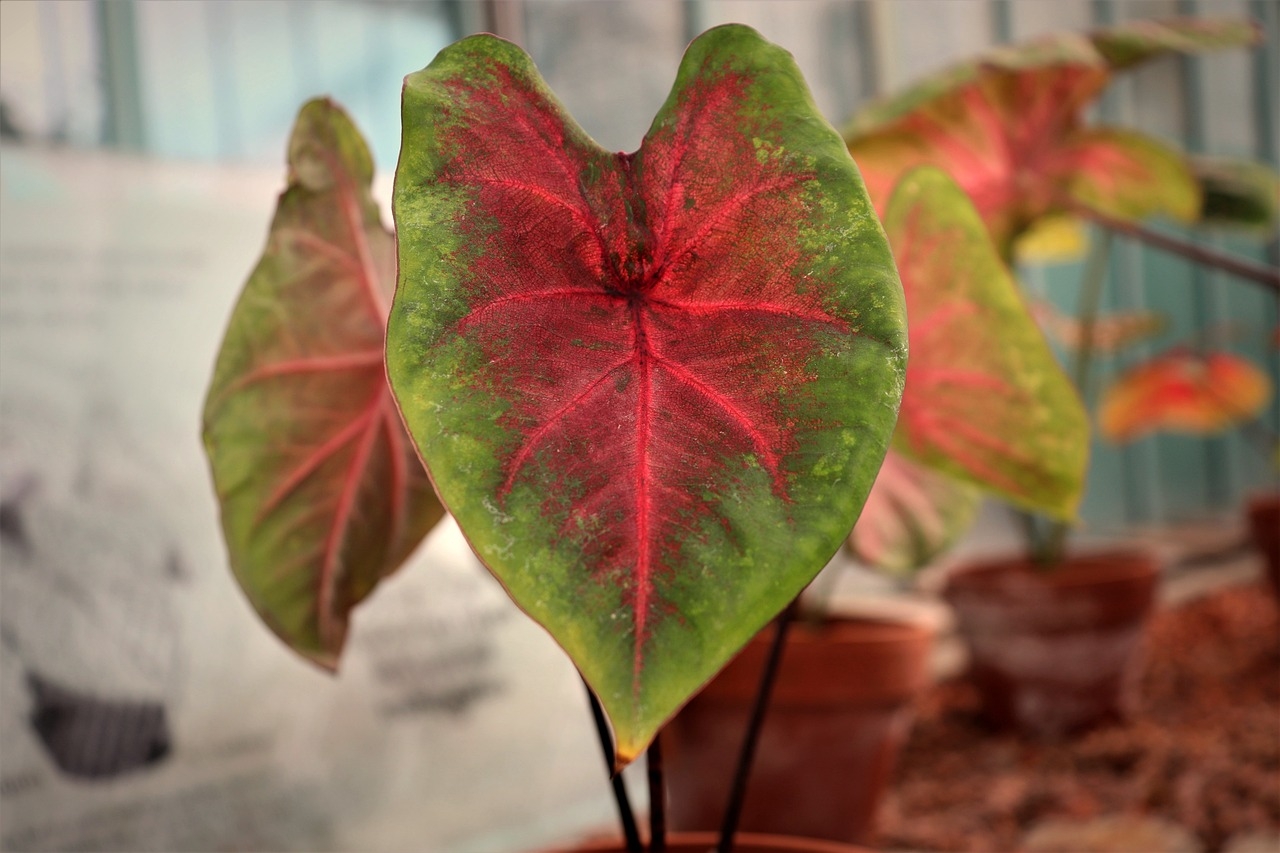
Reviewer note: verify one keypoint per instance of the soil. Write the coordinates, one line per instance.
(1201, 755)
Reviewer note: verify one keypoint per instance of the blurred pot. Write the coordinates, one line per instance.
(841, 708)
(1264, 526)
(1052, 651)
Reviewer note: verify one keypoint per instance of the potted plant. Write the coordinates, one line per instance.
(996, 412)
(653, 389)
(1050, 632)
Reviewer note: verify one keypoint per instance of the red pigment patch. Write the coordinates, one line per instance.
(640, 314)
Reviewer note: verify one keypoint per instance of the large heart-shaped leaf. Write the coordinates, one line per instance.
(986, 400)
(322, 494)
(1009, 127)
(653, 388)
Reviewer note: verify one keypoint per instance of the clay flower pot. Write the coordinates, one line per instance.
(1052, 651)
(704, 842)
(1264, 526)
(841, 707)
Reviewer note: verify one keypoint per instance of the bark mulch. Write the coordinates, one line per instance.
(1202, 752)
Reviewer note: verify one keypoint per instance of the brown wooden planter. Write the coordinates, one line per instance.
(841, 708)
(1264, 526)
(1052, 651)
(704, 842)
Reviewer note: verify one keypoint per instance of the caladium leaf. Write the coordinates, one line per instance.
(1235, 193)
(912, 515)
(1052, 240)
(1009, 127)
(1124, 175)
(1183, 391)
(321, 491)
(986, 401)
(653, 388)
(1016, 143)
(1134, 42)
(1111, 332)
(1115, 48)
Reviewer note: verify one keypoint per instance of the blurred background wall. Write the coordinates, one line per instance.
(219, 80)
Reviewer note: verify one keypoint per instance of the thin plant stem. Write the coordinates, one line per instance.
(1267, 276)
(627, 817)
(1091, 287)
(738, 792)
(657, 797)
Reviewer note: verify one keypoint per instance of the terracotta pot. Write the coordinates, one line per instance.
(704, 842)
(1264, 525)
(841, 708)
(1052, 652)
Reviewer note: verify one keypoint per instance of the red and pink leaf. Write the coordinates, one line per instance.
(1125, 175)
(321, 492)
(986, 401)
(1009, 128)
(1183, 391)
(1001, 137)
(653, 388)
(912, 515)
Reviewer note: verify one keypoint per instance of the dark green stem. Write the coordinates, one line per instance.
(657, 797)
(738, 793)
(1053, 546)
(625, 815)
(1267, 276)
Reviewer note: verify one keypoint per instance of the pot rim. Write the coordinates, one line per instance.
(1104, 565)
(753, 842)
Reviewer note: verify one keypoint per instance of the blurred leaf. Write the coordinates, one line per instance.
(1128, 176)
(1183, 391)
(1135, 42)
(322, 494)
(1009, 127)
(1056, 238)
(986, 401)
(911, 516)
(1238, 194)
(1111, 332)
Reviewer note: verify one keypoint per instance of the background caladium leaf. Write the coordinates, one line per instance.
(322, 494)
(912, 515)
(1134, 42)
(1053, 239)
(986, 401)
(653, 388)
(1112, 331)
(1118, 47)
(1009, 128)
(1183, 391)
(1016, 143)
(1241, 194)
